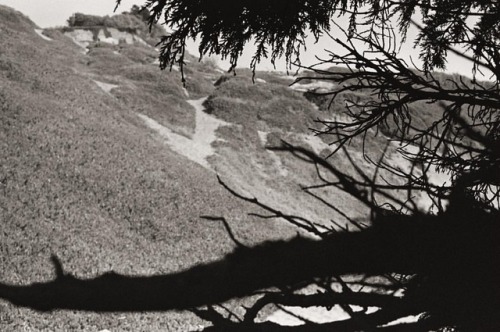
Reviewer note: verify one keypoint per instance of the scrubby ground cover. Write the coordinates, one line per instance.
(83, 177)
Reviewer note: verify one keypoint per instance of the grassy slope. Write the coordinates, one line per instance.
(275, 110)
(82, 177)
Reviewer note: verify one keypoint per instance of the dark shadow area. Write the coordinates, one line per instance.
(437, 263)
(447, 258)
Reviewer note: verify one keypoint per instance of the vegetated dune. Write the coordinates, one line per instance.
(83, 178)
(89, 171)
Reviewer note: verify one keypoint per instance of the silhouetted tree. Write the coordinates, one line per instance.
(438, 263)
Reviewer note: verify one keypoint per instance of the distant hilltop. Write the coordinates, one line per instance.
(127, 27)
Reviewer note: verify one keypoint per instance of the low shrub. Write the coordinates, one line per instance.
(238, 100)
(138, 53)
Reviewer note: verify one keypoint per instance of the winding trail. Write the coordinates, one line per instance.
(40, 33)
(197, 148)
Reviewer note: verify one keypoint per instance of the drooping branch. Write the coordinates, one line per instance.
(279, 28)
(238, 274)
(372, 322)
(406, 245)
(450, 257)
(461, 138)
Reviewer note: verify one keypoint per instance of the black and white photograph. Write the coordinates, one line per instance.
(249, 165)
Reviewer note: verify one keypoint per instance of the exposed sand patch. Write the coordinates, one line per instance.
(291, 316)
(80, 37)
(106, 87)
(186, 92)
(197, 148)
(316, 86)
(404, 320)
(262, 137)
(40, 33)
(321, 315)
(84, 37)
(286, 77)
(115, 36)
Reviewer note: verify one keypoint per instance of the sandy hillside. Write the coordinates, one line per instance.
(108, 163)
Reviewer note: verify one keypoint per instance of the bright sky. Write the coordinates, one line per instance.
(50, 13)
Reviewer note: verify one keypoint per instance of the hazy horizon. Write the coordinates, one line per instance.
(53, 13)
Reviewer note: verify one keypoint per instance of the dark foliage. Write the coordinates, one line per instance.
(439, 262)
(460, 137)
(416, 246)
(134, 21)
(279, 28)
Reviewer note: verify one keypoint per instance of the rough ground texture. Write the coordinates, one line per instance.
(84, 176)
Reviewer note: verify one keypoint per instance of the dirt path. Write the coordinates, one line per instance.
(197, 148)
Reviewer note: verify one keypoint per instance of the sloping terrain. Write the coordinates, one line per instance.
(108, 163)
(83, 177)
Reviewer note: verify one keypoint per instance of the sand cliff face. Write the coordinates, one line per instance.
(85, 36)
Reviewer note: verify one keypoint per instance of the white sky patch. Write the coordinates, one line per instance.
(40, 33)
(51, 13)
(197, 148)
